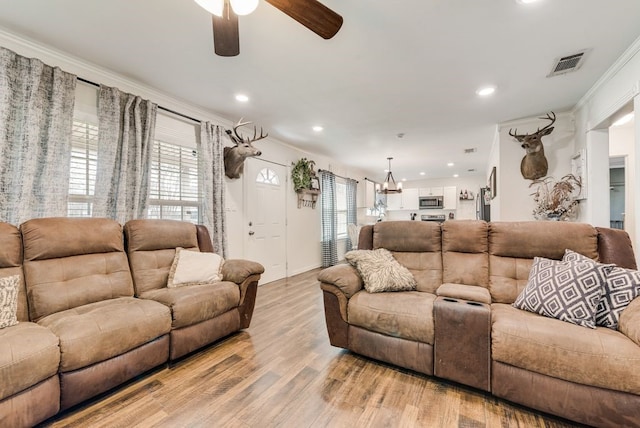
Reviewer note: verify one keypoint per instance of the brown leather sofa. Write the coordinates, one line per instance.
(460, 325)
(84, 328)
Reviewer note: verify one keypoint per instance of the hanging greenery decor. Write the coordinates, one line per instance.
(302, 173)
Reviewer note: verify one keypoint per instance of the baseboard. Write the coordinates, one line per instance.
(304, 269)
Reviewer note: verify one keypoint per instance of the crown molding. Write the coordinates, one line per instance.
(97, 74)
(626, 56)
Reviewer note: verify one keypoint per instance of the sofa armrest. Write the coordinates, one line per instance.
(630, 321)
(473, 293)
(237, 270)
(343, 276)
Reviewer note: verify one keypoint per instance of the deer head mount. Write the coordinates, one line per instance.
(534, 164)
(234, 156)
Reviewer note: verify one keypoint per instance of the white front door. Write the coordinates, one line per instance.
(265, 222)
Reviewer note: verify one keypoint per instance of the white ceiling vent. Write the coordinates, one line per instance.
(567, 64)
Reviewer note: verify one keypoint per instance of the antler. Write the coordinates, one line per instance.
(255, 131)
(548, 117)
(516, 135)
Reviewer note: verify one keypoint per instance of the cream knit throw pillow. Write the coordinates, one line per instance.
(380, 271)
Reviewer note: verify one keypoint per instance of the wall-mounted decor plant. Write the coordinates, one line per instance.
(302, 174)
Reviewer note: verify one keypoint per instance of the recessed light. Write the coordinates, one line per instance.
(450, 164)
(242, 98)
(317, 128)
(423, 173)
(623, 120)
(456, 175)
(527, 1)
(486, 91)
(404, 179)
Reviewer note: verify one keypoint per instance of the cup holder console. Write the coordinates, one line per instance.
(462, 343)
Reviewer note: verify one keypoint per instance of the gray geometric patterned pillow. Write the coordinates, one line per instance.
(568, 291)
(9, 300)
(621, 287)
(380, 271)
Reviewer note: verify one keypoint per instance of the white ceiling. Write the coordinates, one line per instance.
(401, 66)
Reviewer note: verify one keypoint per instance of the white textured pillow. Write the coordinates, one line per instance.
(380, 271)
(194, 268)
(9, 300)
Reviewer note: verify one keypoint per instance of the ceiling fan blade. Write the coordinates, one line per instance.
(226, 39)
(312, 14)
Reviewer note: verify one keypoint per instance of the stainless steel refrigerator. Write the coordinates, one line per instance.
(483, 204)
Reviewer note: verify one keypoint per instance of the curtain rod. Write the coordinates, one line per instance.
(89, 82)
(339, 176)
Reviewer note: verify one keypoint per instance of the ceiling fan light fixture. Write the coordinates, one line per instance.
(214, 7)
(243, 7)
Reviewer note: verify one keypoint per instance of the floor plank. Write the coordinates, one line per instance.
(282, 372)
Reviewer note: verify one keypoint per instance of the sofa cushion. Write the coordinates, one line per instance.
(510, 260)
(196, 303)
(598, 357)
(407, 314)
(98, 331)
(29, 354)
(9, 300)
(568, 291)
(380, 271)
(620, 288)
(71, 262)
(151, 246)
(194, 268)
(465, 252)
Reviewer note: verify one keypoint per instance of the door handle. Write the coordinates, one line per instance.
(251, 233)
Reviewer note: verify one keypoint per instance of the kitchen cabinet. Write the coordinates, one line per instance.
(450, 198)
(366, 194)
(431, 191)
(407, 200)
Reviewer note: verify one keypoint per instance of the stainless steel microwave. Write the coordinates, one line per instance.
(430, 202)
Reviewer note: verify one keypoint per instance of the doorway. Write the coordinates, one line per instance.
(265, 221)
(617, 194)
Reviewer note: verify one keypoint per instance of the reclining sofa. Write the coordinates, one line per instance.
(459, 324)
(94, 309)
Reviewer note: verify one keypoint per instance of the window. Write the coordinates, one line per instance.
(82, 173)
(341, 209)
(174, 183)
(268, 176)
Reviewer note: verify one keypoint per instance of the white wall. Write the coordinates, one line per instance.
(514, 201)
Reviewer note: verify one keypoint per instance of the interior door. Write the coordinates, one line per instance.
(265, 222)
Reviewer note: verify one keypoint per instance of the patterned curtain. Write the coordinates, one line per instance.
(126, 127)
(329, 219)
(211, 158)
(352, 212)
(36, 118)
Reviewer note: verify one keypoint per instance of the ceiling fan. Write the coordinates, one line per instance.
(310, 13)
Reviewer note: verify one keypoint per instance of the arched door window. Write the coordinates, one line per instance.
(268, 176)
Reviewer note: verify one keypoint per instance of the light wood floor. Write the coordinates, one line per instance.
(282, 372)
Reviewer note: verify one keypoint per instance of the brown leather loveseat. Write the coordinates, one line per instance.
(94, 313)
(460, 324)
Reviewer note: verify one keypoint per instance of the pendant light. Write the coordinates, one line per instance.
(389, 185)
